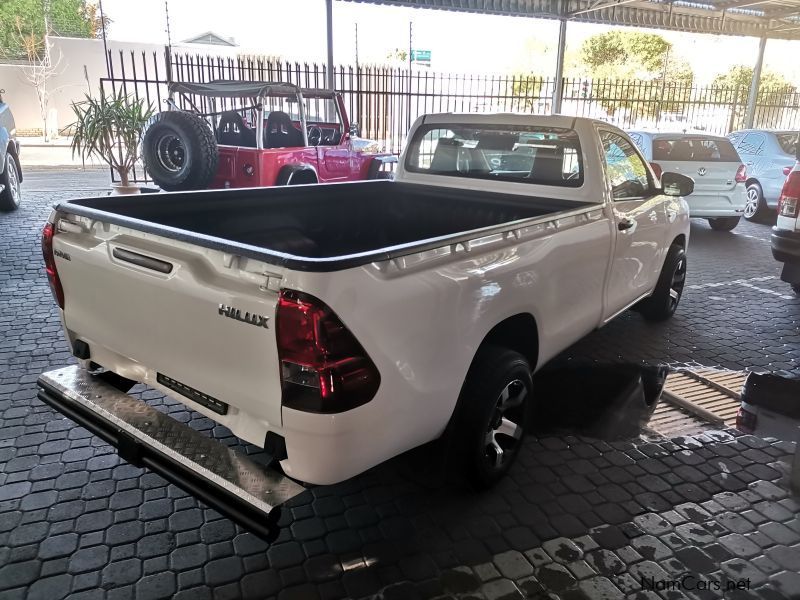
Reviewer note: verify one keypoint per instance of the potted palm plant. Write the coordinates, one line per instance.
(110, 128)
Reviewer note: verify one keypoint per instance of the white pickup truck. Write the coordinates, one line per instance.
(339, 325)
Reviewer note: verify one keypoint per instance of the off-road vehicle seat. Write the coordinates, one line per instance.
(281, 132)
(232, 131)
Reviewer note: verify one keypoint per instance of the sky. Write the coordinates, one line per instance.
(459, 42)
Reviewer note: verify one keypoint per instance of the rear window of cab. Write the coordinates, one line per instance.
(525, 154)
(694, 150)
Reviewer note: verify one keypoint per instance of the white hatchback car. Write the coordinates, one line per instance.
(712, 161)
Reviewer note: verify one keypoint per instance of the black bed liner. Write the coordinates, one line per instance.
(322, 227)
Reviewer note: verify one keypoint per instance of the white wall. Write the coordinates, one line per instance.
(81, 59)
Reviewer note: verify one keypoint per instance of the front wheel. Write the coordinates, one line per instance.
(11, 195)
(669, 288)
(494, 409)
(724, 223)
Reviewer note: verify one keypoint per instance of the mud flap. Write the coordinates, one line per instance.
(791, 273)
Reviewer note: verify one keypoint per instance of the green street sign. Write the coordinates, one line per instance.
(421, 56)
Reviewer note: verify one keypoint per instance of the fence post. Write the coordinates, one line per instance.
(732, 124)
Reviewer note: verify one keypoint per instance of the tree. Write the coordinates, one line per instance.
(637, 71)
(625, 55)
(527, 90)
(397, 55)
(26, 18)
(41, 65)
(774, 90)
(741, 76)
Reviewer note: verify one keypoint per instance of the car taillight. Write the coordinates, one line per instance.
(790, 195)
(741, 174)
(50, 264)
(323, 367)
(746, 421)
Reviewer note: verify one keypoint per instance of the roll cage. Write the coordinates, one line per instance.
(232, 95)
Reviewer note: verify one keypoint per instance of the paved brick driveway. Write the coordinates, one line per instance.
(577, 518)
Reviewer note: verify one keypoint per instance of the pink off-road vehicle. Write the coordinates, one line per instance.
(237, 134)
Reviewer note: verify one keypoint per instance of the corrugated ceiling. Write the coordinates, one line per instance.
(778, 19)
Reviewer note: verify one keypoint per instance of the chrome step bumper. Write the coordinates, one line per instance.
(245, 491)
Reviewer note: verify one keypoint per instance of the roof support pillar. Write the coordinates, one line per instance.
(329, 28)
(750, 115)
(558, 88)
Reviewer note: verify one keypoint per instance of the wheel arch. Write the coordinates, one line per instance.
(752, 180)
(680, 240)
(288, 174)
(518, 332)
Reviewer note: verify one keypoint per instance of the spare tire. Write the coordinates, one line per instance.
(179, 151)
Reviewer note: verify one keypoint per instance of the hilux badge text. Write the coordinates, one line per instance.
(244, 317)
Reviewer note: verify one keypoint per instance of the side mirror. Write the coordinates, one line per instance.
(354, 132)
(675, 184)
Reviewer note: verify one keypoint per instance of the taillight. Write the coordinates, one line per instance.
(790, 196)
(787, 170)
(50, 264)
(741, 174)
(323, 367)
(746, 421)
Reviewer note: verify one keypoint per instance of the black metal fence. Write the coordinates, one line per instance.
(385, 100)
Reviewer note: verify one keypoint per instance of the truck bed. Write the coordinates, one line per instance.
(321, 227)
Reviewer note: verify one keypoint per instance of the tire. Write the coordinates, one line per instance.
(796, 288)
(754, 206)
(669, 289)
(724, 223)
(497, 377)
(11, 195)
(180, 151)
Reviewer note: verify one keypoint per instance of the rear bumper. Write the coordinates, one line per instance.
(786, 245)
(724, 204)
(245, 491)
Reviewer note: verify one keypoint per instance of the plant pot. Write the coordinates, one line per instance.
(118, 189)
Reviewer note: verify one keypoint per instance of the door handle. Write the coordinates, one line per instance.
(624, 224)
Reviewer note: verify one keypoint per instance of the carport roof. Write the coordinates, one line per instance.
(779, 19)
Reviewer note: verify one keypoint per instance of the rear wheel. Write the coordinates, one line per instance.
(12, 194)
(669, 289)
(494, 409)
(724, 223)
(754, 205)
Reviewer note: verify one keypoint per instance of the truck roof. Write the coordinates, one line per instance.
(565, 121)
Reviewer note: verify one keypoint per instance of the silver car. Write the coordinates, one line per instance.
(769, 156)
(711, 161)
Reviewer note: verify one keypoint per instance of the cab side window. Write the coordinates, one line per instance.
(625, 169)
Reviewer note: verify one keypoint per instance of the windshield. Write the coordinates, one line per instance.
(542, 155)
(788, 142)
(694, 150)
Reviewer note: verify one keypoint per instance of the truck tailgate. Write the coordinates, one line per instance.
(174, 315)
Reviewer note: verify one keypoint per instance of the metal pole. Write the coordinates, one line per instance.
(410, 54)
(356, 46)
(329, 17)
(750, 116)
(105, 43)
(559, 83)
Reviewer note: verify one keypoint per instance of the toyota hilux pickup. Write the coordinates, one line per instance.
(339, 325)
